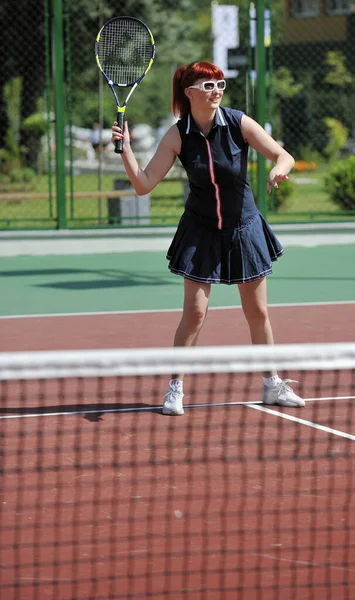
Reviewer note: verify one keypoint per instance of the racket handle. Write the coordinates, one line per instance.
(119, 143)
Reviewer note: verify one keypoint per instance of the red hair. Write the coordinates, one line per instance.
(186, 76)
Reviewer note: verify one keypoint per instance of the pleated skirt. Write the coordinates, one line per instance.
(233, 255)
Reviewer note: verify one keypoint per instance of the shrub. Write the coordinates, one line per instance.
(13, 176)
(36, 124)
(278, 198)
(337, 137)
(23, 175)
(340, 183)
(309, 154)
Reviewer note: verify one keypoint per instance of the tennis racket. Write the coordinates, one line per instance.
(124, 52)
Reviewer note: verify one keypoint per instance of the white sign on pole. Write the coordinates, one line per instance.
(225, 35)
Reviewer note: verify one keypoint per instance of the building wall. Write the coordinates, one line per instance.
(313, 29)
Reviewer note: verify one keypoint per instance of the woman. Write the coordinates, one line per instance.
(221, 237)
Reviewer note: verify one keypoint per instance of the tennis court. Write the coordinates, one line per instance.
(72, 290)
(104, 497)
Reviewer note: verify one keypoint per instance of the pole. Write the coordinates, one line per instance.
(47, 55)
(271, 93)
(101, 123)
(261, 99)
(59, 100)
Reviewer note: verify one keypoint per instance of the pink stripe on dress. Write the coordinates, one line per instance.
(215, 184)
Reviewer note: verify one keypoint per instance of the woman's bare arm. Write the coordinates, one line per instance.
(263, 143)
(144, 180)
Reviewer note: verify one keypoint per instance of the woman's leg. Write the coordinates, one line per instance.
(196, 297)
(254, 303)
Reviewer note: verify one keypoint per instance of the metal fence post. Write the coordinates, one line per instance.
(59, 102)
(261, 100)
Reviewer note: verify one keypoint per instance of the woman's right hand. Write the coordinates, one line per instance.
(118, 134)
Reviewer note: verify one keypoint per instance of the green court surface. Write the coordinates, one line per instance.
(123, 281)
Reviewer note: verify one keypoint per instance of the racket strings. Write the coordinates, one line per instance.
(124, 51)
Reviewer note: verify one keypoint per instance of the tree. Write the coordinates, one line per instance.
(337, 75)
(182, 31)
(25, 58)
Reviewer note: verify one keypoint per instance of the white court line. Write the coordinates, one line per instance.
(169, 310)
(159, 408)
(156, 230)
(303, 422)
(330, 398)
(302, 562)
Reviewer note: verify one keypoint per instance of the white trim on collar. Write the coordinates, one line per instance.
(188, 123)
(220, 114)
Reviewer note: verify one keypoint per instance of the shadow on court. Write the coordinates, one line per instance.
(108, 278)
(87, 410)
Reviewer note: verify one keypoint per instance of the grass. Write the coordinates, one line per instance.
(308, 202)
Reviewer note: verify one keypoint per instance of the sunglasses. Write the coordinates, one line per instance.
(210, 86)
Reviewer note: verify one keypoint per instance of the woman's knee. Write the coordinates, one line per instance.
(195, 304)
(194, 317)
(256, 314)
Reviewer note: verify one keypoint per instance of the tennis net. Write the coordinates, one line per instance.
(103, 497)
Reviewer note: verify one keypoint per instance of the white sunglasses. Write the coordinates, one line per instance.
(210, 86)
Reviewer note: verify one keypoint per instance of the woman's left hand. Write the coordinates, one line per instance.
(275, 175)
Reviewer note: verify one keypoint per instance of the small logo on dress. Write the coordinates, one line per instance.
(198, 164)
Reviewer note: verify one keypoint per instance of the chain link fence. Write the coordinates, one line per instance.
(313, 100)
(26, 116)
(57, 165)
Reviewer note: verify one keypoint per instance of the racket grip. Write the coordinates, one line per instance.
(119, 143)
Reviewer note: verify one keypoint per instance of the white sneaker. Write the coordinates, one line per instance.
(173, 401)
(281, 394)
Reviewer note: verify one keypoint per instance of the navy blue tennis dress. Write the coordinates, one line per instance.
(221, 236)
